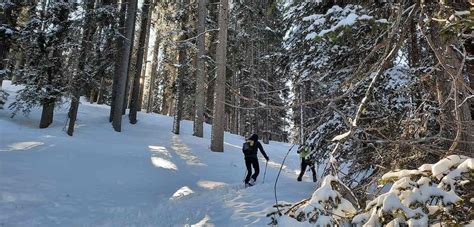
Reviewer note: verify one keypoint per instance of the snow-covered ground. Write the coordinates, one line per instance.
(143, 176)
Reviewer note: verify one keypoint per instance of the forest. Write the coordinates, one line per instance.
(381, 92)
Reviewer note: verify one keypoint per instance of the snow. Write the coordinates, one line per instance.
(348, 20)
(425, 168)
(143, 176)
(288, 221)
(422, 221)
(462, 13)
(311, 35)
(325, 194)
(392, 203)
(312, 17)
(452, 176)
(365, 17)
(400, 174)
(341, 136)
(412, 188)
(334, 9)
(324, 221)
(445, 164)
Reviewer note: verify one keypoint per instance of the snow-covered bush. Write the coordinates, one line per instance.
(433, 194)
(331, 204)
(440, 193)
(327, 205)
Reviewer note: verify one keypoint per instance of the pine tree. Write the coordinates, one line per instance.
(86, 44)
(43, 74)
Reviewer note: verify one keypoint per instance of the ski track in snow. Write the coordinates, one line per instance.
(143, 176)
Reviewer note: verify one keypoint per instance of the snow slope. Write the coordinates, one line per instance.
(143, 176)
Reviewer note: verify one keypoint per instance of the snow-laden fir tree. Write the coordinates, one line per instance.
(45, 72)
(335, 51)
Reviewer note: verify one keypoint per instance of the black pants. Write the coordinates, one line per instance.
(249, 162)
(304, 164)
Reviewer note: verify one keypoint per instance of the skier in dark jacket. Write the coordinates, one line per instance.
(250, 151)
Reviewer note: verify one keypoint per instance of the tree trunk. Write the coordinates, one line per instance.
(167, 95)
(145, 56)
(266, 139)
(201, 70)
(134, 105)
(120, 42)
(20, 62)
(47, 114)
(452, 78)
(217, 137)
(470, 70)
(154, 74)
(213, 15)
(124, 64)
(130, 71)
(182, 70)
(86, 45)
(100, 95)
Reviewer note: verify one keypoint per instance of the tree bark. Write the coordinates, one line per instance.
(154, 74)
(217, 137)
(201, 70)
(47, 114)
(100, 95)
(120, 42)
(145, 57)
(213, 14)
(452, 78)
(469, 45)
(134, 104)
(124, 65)
(182, 70)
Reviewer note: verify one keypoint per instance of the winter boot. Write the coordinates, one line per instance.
(299, 178)
(314, 178)
(252, 182)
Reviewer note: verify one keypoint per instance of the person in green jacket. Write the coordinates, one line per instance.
(304, 152)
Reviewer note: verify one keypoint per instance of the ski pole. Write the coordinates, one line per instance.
(265, 173)
(278, 176)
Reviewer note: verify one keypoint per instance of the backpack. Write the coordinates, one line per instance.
(247, 147)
